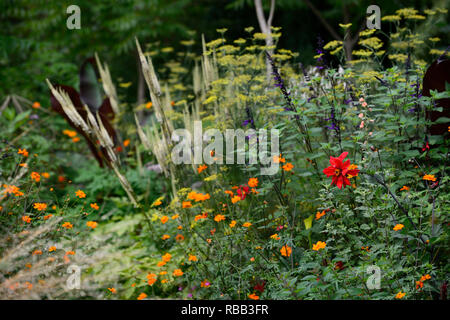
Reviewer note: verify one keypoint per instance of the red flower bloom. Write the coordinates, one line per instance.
(243, 191)
(339, 171)
(260, 286)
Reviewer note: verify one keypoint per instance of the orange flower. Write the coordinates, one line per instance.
(175, 216)
(151, 277)
(161, 263)
(198, 196)
(25, 165)
(419, 285)
(76, 139)
(229, 192)
(406, 188)
(232, 224)
(286, 251)
(66, 256)
(23, 152)
(201, 168)
(400, 295)
(46, 175)
(156, 203)
(278, 159)
(36, 105)
(35, 176)
(70, 133)
(112, 290)
(253, 182)
(164, 281)
(352, 167)
(219, 218)
(11, 189)
(61, 178)
(253, 296)
(142, 296)
(177, 273)
(51, 249)
(275, 237)
(162, 273)
(165, 237)
(126, 143)
(180, 227)
(425, 277)
(67, 225)
(205, 283)
(398, 227)
(80, 194)
(192, 195)
(166, 257)
(192, 258)
(429, 177)
(320, 215)
(288, 166)
(94, 206)
(26, 219)
(235, 199)
(164, 219)
(187, 204)
(179, 237)
(91, 224)
(40, 206)
(48, 216)
(319, 245)
(148, 105)
(35, 252)
(200, 216)
(247, 225)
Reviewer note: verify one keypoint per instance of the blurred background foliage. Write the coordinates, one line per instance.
(35, 42)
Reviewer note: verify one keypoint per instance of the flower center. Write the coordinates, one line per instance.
(337, 172)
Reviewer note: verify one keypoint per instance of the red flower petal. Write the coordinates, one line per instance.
(342, 156)
(329, 171)
(335, 162)
(339, 182)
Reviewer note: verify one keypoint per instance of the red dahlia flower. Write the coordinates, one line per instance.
(339, 171)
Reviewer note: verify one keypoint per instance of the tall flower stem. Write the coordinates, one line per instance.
(291, 107)
(405, 212)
